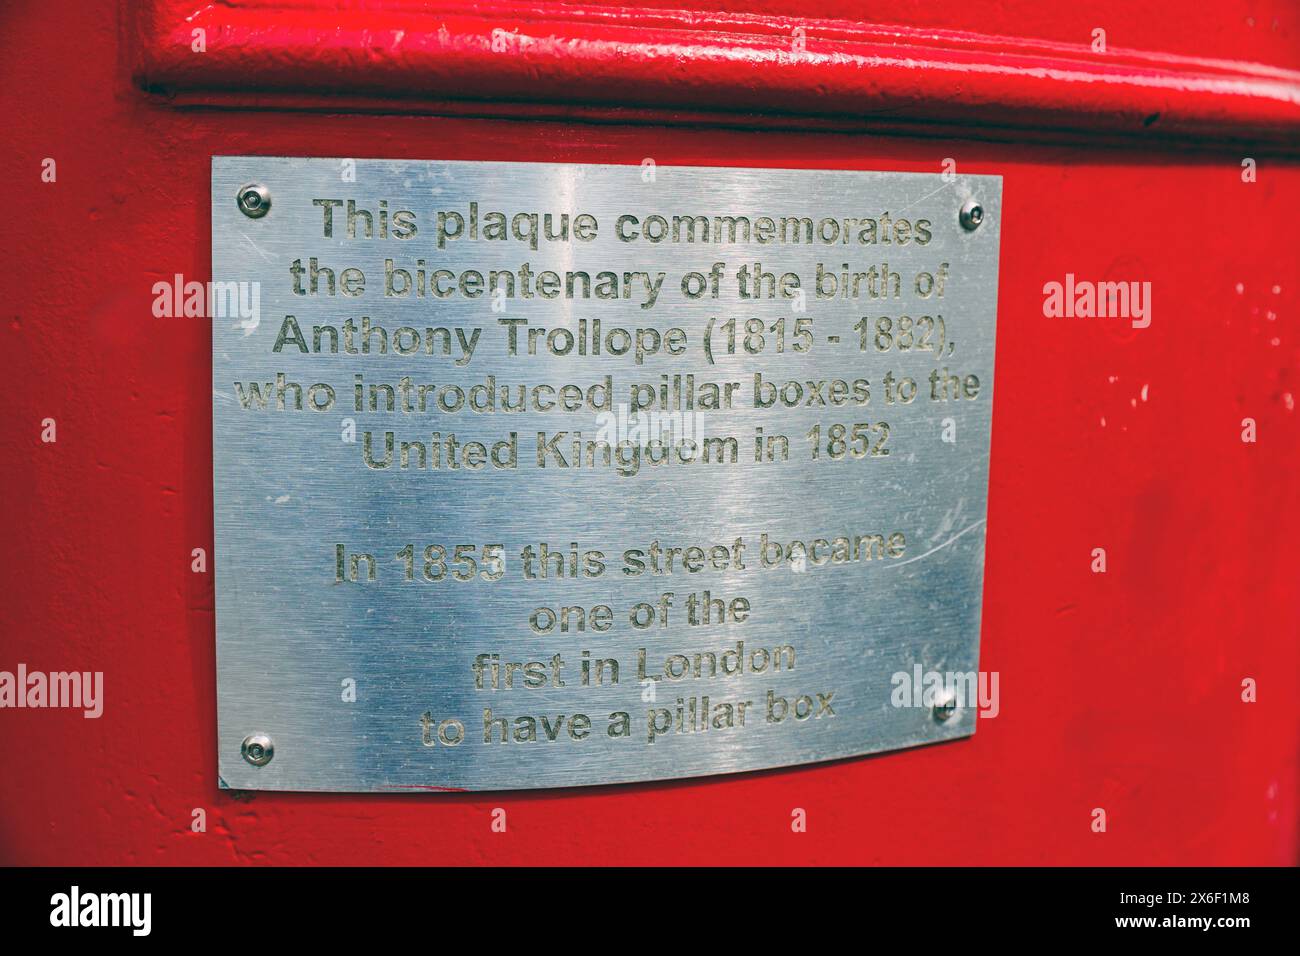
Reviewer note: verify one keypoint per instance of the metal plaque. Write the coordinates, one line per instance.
(535, 475)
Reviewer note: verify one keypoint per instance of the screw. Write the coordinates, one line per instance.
(971, 215)
(944, 709)
(257, 749)
(254, 200)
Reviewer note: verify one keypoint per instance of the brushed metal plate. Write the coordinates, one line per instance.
(366, 685)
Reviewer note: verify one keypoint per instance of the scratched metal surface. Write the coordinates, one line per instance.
(287, 489)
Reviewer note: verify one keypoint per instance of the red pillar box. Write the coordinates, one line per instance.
(1125, 596)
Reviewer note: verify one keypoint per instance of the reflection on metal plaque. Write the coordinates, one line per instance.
(533, 475)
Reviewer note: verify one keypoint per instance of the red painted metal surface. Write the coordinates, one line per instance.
(830, 64)
(1120, 691)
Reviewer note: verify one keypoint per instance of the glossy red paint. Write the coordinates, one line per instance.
(1120, 691)
(777, 60)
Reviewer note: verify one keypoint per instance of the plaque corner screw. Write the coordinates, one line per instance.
(944, 710)
(254, 200)
(257, 749)
(971, 215)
